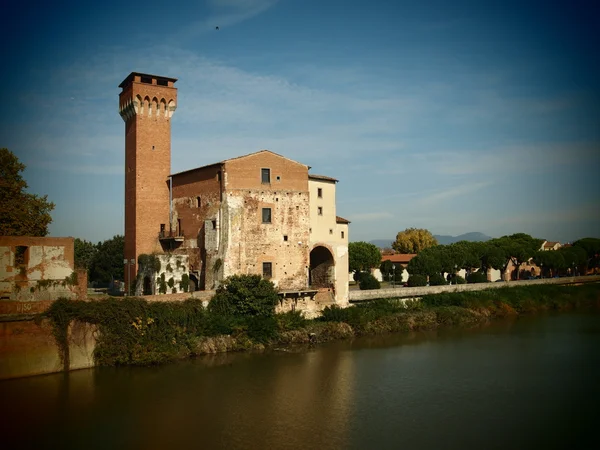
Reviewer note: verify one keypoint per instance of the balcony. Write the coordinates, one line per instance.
(171, 235)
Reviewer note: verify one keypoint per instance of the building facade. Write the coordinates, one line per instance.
(260, 213)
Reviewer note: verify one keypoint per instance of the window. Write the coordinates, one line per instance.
(342, 235)
(147, 80)
(267, 270)
(266, 215)
(278, 178)
(320, 192)
(214, 224)
(320, 210)
(162, 82)
(198, 202)
(265, 175)
(20, 255)
(179, 232)
(331, 231)
(285, 237)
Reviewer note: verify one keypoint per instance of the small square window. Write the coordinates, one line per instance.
(285, 237)
(266, 215)
(267, 270)
(331, 231)
(320, 192)
(320, 210)
(278, 178)
(342, 235)
(265, 175)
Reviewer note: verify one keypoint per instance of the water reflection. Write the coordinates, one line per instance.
(515, 384)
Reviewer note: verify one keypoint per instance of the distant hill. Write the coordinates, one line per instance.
(474, 236)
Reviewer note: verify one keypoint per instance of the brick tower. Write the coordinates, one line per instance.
(146, 104)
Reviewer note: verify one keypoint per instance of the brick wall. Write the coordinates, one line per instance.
(147, 109)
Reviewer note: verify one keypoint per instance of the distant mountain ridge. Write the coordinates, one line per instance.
(473, 236)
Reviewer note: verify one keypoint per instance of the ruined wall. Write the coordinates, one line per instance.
(196, 206)
(28, 347)
(247, 242)
(173, 267)
(38, 269)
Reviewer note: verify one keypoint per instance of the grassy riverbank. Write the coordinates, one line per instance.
(134, 331)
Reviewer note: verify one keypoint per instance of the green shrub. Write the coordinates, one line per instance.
(291, 320)
(245, 295)
(477, 277)
(457, 279)
(184, 284)
(437, 280)
(262, 328)
(417, 280)
(368, 281)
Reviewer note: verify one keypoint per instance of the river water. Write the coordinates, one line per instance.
(525, 384)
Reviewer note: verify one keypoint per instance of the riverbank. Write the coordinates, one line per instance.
(136, 332)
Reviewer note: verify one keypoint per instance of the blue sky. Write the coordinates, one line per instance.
(453, 116)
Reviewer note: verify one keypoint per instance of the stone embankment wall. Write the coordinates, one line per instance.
(416, 292)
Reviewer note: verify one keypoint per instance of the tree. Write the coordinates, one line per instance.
(592, 250)
(363, 256)
(413, 240)
(516, 248)
(245, 295)
(23, 214)
(428, 262)
(85, 252)
(108, 261)
(388, 272)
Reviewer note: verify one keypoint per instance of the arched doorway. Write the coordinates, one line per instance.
(321, 268)
(147, 286)
(193, 286)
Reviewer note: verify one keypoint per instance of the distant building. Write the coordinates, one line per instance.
(550, 245)
(260, 213)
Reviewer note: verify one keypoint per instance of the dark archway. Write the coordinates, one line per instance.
(193, 286)
(147, 286)
(321, 268)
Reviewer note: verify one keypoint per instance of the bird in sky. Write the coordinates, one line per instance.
(217, 28)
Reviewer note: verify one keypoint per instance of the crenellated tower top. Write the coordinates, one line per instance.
(147, 95)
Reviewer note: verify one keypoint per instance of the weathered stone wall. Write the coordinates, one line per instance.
(247, 242)
(38, 269)
(28, 348)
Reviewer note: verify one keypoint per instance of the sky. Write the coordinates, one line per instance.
(452, 116)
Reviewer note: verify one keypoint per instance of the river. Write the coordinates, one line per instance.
(522, 384)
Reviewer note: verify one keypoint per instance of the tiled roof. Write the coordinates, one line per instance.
(321, 177)
(339, 219)
(238, 157)
(400, 258)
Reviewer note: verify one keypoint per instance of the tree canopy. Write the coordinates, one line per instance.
(107, 263)
(23, 214)
(363, 256)
(413, 240)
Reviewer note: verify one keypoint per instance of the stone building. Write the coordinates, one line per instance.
(35, 271)
(260, 213)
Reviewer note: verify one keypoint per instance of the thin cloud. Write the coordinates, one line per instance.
(224, 13)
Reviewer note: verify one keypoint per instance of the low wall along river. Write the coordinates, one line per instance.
(28, 347)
